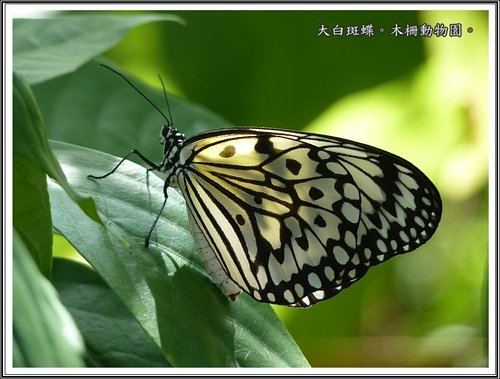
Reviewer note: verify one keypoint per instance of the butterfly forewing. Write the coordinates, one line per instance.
(294, 218)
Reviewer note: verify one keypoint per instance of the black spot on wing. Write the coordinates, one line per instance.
(240, 220)
(265, 146)
(315, 193)
(320, 221)
(293, 166)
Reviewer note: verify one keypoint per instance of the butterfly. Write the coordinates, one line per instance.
(293, 218)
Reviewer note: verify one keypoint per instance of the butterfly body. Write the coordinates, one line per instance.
(293, 218)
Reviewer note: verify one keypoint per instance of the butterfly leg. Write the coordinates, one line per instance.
(153, 165)
(165, 194)
(148, 237)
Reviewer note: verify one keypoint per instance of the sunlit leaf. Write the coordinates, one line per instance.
(48, 48)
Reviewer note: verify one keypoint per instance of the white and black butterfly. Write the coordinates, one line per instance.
(294, 218)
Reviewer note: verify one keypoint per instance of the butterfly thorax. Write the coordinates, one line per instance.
(172, 142)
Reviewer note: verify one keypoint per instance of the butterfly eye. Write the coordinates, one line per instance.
(166, 132)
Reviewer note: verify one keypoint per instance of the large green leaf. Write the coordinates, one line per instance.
(31, 211)
(47, 48)
(93, 107)
(32, 159)
(113, 337)
(165, 286)
(44, 334)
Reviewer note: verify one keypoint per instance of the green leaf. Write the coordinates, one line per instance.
(30, 142)
(113, 337)
(93, 107)
(31, 211)
(48, 48)
(261, 339)
(44, 333)
(165, 286)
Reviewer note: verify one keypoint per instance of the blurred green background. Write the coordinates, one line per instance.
(425, 99)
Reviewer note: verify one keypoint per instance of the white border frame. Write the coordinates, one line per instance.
(34, 10)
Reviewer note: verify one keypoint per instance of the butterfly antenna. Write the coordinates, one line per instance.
(140, 92)
(166, 99)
